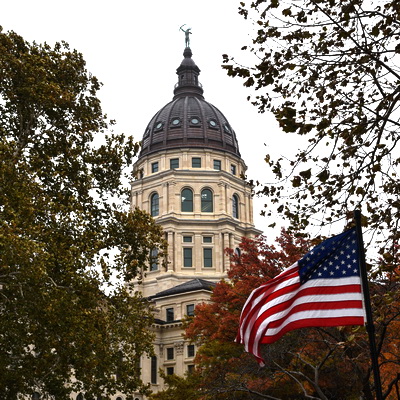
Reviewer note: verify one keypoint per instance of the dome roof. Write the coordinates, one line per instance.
(188, 120)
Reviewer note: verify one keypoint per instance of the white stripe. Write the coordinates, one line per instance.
(349, 312)
(312, 283)
(350, 280)
(343, 312)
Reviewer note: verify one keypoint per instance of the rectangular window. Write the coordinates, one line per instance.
(154, 167)
(207, 239)
(233, 169)
(207, 257)
(190, 350)
(170, 370)
(187, 239)
(154, 370)
(154, 260)
(196, 162)
(174, 163)
(190, 310)
(187, 257)
(190, 368)
(217, 165)
(170, 353)
(170, 314)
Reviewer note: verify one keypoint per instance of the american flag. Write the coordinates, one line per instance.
(322, 289)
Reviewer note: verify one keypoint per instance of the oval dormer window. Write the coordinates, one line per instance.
(195, 121)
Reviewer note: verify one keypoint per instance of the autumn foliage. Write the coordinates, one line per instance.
(330, 363)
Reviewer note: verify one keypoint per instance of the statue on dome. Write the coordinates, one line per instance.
(187, 33)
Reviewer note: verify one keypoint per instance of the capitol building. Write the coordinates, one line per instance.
(189, 178)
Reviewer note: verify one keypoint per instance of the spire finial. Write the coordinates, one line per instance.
(187, 33)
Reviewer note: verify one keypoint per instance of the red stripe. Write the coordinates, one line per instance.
(313, 322)
(329, 305)
(351, 288)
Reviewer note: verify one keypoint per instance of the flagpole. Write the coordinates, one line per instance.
(368, 311)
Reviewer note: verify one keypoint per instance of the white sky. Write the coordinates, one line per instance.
(134, 48)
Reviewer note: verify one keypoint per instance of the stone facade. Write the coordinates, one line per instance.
(189, 177)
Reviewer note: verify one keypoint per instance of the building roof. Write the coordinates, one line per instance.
(190, 286)
(188, 120)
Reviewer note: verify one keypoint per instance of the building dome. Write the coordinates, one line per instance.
(188, 120)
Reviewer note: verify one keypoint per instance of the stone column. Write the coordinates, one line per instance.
(197, 252)
(226, 200)
(225, 244)
(171, 251)
(164, 202)
(139, 197)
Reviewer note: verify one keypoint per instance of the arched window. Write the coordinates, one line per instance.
(80, 397)
(36, 396)
(187, 200)
(155, 205)
(206, 201)
(235, 206)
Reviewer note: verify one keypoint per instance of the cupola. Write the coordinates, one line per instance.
(189, 121)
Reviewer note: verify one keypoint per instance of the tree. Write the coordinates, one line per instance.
(329, 72)
(68, 320)
(317, 363)
(179, 387)
(299, 365)
(386, 304)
